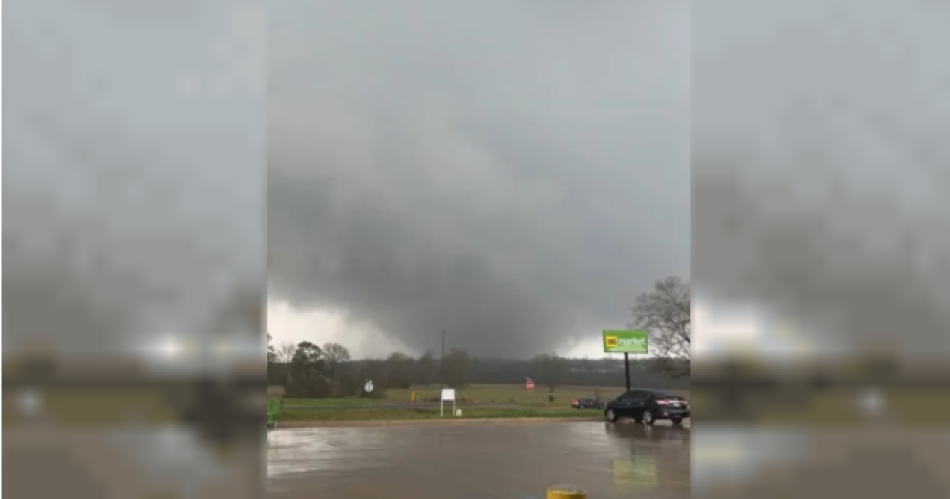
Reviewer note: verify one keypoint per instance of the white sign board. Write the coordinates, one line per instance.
(448, 395)
(368, 387)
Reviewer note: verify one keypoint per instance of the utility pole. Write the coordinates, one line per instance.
(626, 368)
(442, 366)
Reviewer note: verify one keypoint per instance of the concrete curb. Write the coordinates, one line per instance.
(430, 422)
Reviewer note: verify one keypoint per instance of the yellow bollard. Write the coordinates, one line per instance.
(566, 492)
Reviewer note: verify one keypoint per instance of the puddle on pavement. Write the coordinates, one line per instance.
(609, 460)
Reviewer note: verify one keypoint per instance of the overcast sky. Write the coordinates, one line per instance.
(513, 172)
(134, 198)
(820, 171)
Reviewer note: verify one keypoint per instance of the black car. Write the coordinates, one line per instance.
(648, 406)
(586, 404)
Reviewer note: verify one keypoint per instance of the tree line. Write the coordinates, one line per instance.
(308, 370)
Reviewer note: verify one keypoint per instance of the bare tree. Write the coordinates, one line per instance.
(665, 314)
(271, 354)
(549, 370)
(335, 354)
(285, 352)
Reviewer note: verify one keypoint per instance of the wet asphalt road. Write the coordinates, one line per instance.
(479, 461)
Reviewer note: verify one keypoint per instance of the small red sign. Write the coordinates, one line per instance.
(529, 384)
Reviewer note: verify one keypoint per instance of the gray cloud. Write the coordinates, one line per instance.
(132, 212)
(514, 173)
(821, 169)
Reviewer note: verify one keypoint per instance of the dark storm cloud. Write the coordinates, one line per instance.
(514, 173)
(821, 169)
(132, 212)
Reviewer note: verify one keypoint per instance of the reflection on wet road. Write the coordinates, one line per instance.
(510, 461)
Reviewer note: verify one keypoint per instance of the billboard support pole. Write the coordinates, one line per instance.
(629, 341)
(626, 368)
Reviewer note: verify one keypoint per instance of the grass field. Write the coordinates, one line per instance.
(514, 394)
(507, 394)
(404, 413)
(476, 401)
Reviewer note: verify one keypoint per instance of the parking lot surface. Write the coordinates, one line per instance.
(480, 461)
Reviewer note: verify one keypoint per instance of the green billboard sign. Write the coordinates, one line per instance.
(626, 341)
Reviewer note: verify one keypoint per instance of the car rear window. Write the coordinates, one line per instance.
(667, 396)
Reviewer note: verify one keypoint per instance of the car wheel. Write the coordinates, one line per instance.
(677, 421)
(611, 415)
(648, 418)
